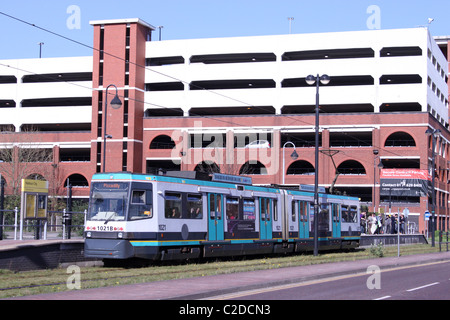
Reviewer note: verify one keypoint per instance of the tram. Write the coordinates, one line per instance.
(179, 216)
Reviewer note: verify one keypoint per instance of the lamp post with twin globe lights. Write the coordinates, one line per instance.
(317, 80)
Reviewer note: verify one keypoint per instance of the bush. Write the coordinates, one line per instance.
(378, 250)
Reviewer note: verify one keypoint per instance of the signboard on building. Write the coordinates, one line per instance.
(405, 182)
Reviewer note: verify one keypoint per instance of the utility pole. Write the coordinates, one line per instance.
(40, 44)
(290, 24)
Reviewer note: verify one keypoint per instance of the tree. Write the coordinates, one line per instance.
(21, 157)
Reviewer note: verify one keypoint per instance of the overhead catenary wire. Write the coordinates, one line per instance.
(295, 119)
(150, 69)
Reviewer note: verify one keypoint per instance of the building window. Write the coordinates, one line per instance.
(351, 167)
(400, 51)
(234, 58)
(400, 139)
(329, 54)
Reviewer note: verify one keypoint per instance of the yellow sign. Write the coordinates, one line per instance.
(34, 199)
(30, 206)
(34, 186)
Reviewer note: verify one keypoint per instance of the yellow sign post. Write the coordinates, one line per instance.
(34, 203)
(34, 199)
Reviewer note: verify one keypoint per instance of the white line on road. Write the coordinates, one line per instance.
(427, 285)
(382, 298)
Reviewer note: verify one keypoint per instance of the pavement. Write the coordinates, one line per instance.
(213, 286)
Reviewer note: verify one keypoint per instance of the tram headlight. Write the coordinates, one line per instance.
(120, 235)
(88, 234)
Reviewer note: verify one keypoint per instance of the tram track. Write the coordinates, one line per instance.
(34, 282)
(147, 273)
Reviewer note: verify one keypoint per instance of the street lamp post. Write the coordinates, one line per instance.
(294, 156)
(434, 133)
(311, 80)
(375, 166)
(115, 104)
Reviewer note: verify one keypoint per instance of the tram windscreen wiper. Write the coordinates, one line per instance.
(113, 215)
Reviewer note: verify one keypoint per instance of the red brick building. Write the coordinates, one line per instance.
(202, 104)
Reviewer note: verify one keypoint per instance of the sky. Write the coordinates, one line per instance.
(193, 19)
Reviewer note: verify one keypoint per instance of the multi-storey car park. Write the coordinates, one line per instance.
(234, 105)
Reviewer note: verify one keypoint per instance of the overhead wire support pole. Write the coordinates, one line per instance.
(311, 80)
(316, 176)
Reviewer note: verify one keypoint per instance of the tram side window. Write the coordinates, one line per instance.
(265, 209)
(195, 206)
(349, 214)
(293, 212)
(232, 208)
(303, 210)
(345, 213)
(240, 209)
(141, 205)
(249, 209)
(324, 217)
(173, 205)
(275, 210)
(353, 214)
(215, 207)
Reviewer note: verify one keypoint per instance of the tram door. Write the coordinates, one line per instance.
(215, 217)
(265, 218)
(336, 219)
(303, 213)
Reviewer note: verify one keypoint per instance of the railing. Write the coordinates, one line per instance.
(441, 233)
(409, 228)
(62, 225)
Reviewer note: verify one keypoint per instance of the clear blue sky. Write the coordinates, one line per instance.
(183, 19)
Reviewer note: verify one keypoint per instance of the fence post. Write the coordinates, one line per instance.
(2, 202)
(447, 240)
(21, 228)
(45, 229)
(16, 212)
(64, 224)
(69, 210)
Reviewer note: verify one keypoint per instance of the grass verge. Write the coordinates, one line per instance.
(14, 284)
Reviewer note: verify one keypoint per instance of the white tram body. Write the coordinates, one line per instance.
(163, 218)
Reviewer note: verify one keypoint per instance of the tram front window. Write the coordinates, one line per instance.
(108, 201)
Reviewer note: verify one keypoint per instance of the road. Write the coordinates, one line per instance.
(425, 282)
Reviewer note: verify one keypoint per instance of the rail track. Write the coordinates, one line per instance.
(45, 281)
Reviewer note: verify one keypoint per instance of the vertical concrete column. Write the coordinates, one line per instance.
(275, 168)
(230, 161)
(326, 169)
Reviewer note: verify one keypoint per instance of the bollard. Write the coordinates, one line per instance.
(447, 240)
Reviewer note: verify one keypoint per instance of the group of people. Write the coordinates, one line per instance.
(375, 224)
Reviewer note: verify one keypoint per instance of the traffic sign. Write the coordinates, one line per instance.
(427, 215)
(406, 212)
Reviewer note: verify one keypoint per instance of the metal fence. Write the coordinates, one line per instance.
(59, 225)
(443, 235)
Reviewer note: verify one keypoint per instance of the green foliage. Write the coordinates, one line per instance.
(378, 250)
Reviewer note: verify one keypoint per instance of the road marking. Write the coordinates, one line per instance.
(382, 298)
(241, 294)
(425, 286)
